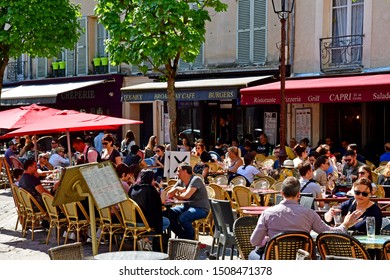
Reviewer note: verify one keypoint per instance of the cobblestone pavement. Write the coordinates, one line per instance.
(14, 247)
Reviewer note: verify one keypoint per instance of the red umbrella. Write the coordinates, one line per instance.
(68, 121)
(19, 117)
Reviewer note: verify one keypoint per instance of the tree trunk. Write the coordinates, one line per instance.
(3, 64)
(172, 113)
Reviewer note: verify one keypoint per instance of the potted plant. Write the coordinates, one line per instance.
(104, 61)
(96, 61)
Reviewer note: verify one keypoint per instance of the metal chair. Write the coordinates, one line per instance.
(73, 251)
(224, 215)
(386, 250)
(284, 246)
(243, 228)
(340, 244)
(183, 249)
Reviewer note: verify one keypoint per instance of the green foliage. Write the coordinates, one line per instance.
(158, 31)
(37, 27)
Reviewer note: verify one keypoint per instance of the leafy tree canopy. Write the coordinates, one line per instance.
(158, 31)
(37, 27)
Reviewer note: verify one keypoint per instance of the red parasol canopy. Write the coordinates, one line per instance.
(19, 117)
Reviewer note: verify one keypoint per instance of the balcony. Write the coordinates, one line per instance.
(341, 54)
(17, 71)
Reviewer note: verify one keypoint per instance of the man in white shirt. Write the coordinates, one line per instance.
(308, 185)
(87, 153)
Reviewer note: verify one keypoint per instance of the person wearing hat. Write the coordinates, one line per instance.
(10, 152)
(288, 169)
(59, 158)
(44, 167)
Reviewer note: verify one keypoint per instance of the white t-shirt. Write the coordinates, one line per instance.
(248, 172)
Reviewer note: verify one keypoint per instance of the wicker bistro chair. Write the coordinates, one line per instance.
(207, 222)
(110, 223)
(56, 221)
(76, 223)
(284, 246)
(223, 214)
(238, 181)
(220, 193)
(385, 229)
(220, 180)
(5, 169)
(129, 210)
(183, 249)
(20, 209)
(72, 251)
(243, 228)
(340, 244)
(34, 212)
(243, 196)
(386, 250)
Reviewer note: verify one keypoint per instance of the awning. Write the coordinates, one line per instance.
(210, 89)
(363, 88)
(40, 94)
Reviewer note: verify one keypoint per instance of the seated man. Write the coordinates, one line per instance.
(134, 158)
(288, 215)
(31, 183)
(87, 153)
(188, 187)
(308, 185)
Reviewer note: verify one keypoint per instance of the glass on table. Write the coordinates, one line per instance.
(370, 226)
(337, 218)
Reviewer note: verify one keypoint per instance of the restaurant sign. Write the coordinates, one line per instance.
(319, 97)
(181, 95)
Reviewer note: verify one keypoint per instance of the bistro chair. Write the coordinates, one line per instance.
(285, 245)
(129, 210)
(288, 245)
(110, 223)
(34, 212)
(386, 250)
(243, 228)
(260, 183)
(238, 181)
(183, 249)
(194, 160)
(307, 201)
(73, 251)
(223, 214)
(15, 163)
(340, 244)
(220, 193)
(385, 229)
(243, 196)
(6, 176)
(20, 208)
(220, 180)
(76, 223)
(207, 222)
(56, 221)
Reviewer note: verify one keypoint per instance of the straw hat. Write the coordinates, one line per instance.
(288, 163)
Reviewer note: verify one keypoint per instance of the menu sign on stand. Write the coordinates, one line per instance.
(98, 182)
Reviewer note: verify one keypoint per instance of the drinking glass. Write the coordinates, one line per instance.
(337, 218)
(370, 226)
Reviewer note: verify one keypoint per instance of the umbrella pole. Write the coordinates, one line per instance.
(69, 148)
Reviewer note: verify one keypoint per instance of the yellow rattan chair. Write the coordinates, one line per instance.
(386, 250)
(56, 221)
(238, 180)
(243, 196)
(110, 223)
(243, 228)
(6, 177)
(207, 222)
(20, 209)
(34, 212)
(129, 210)
(76, 223)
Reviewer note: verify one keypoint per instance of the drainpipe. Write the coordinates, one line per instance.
(291, 49)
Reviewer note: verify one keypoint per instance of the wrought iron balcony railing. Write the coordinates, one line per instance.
(341, 54)
(17, 71)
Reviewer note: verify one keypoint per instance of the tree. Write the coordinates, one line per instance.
(39, 28)
(157, 31)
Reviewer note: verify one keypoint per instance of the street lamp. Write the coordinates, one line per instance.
(283, 8)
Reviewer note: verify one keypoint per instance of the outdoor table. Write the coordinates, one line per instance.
(373, 243)
(132, 255)
(253, 210)
(262, 193)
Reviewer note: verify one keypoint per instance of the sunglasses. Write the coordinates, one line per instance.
(105, 143)
(361, 173)
(357, 193)
(158, 151)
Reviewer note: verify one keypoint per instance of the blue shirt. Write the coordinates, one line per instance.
(385, 157)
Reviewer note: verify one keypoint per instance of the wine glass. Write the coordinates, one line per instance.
(331, 186)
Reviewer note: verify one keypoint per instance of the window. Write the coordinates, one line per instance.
(347, 21)
(197, 64)
(251, 33)
(41, 67)
(101, 37)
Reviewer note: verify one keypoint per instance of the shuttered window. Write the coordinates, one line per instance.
(251, 33)
(197, 64)
(41, 70)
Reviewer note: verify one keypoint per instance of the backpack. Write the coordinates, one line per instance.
(307, 183)
(98, 159)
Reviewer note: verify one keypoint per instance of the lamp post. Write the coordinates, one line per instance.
(283, 8)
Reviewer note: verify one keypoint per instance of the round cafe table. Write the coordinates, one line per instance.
(373, 243)
(132, 255)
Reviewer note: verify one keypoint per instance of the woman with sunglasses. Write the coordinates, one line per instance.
(365, 172)
(109, 152)
(362, 189)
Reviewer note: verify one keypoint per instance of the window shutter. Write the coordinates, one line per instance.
(259, 32)
(243, 36)
(82, 56)
(41, 67)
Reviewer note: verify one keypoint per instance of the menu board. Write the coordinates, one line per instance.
(104, 184)
(270, 126)
(303, 124)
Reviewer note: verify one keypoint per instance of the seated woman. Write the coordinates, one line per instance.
(248, 170)
(159, 161)
(202, 167)
(150, 200)
(235, 160)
